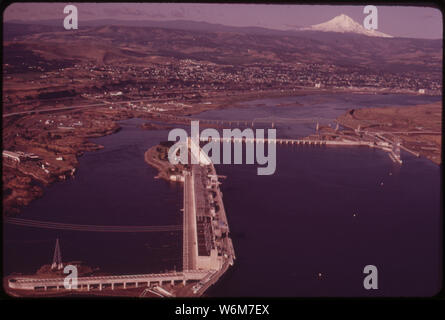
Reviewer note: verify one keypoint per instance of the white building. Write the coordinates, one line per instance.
(11, 155)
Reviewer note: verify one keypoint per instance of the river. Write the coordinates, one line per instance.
(307, 230)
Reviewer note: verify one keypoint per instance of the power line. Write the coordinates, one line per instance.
(90, 228)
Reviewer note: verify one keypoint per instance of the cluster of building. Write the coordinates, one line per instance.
(61, 122)
(188, 79)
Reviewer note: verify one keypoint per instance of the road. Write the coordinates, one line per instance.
(190, 240)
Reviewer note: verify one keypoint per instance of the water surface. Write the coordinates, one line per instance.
(307, 230)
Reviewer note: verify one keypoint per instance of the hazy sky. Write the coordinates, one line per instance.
(416, 22)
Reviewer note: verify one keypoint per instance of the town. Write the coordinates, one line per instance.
(189, 80)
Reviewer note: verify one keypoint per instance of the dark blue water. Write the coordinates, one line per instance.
(113, 186)
(289, 227)
(324, 211)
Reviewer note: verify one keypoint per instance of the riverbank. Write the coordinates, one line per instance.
(44, 149)
(418, 129)
(60, 137)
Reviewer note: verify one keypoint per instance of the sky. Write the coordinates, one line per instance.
(398, 21)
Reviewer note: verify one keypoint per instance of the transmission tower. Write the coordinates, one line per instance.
(57, 258)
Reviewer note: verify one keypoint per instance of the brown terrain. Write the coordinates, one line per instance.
(418, 128)
(58, 138)
(56, 141)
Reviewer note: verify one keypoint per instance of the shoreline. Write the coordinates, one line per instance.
(414, 128)
(23, 186)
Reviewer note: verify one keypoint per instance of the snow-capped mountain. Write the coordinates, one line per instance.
(345, 24)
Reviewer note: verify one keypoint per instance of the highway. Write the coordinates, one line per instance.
(52, 110)
(103, 103)
(190, 236)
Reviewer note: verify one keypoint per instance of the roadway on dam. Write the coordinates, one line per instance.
(190, 240)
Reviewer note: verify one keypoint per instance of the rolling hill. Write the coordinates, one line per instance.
(221, 45)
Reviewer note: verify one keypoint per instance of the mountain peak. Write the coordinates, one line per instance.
(345, 24)
(343, 17)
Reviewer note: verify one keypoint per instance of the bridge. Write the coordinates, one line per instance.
(382, 143)
(251, 123)
(107, 282)
(244, 122)
(293, 141)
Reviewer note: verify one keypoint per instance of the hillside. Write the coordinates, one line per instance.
(104, 44)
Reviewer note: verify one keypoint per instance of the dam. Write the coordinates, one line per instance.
(207, 249)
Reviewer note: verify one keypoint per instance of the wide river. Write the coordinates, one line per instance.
(307, 230)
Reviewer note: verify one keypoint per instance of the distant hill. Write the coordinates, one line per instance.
(12, 30)
(109, 40)
(171, 24)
